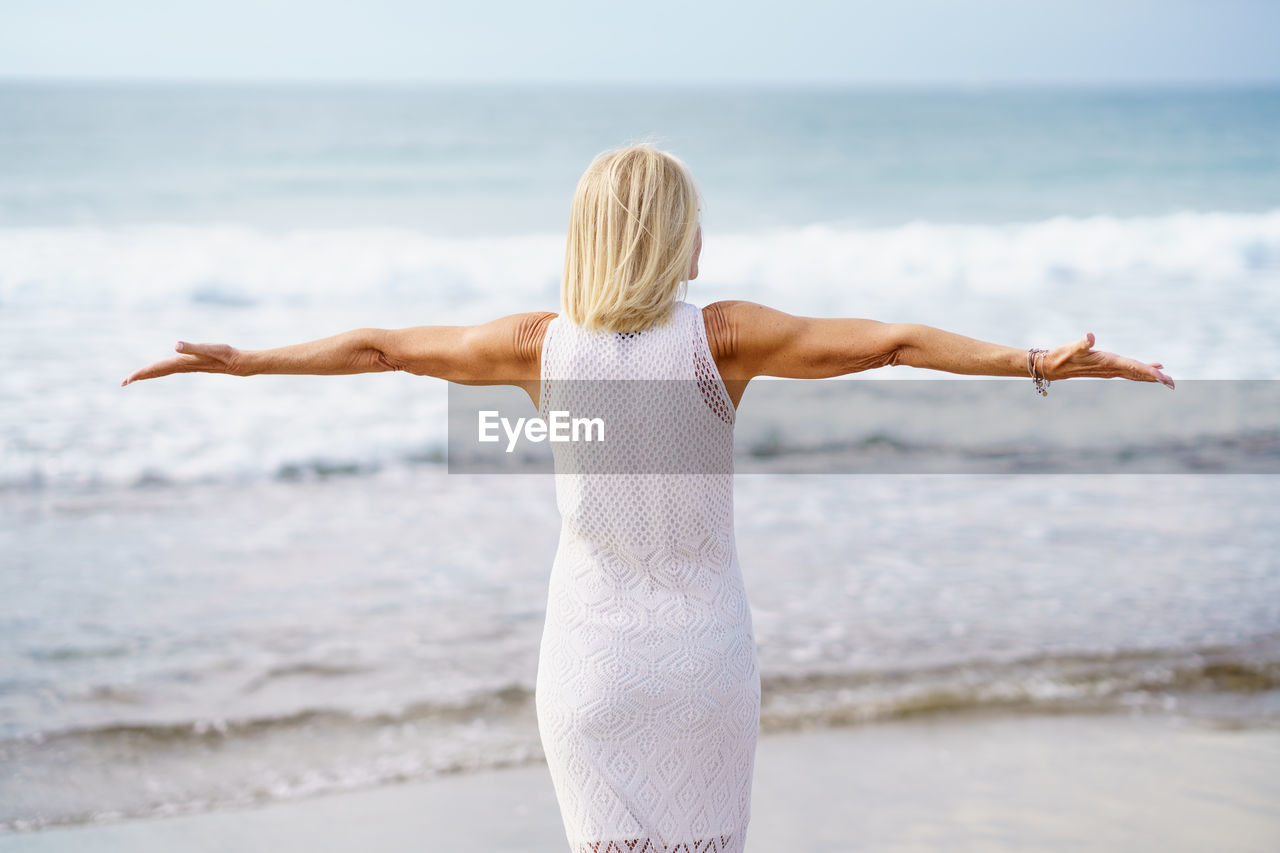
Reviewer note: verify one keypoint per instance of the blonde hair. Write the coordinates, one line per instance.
(632, 230)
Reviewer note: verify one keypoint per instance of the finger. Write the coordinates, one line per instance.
(1086, 343)
(195, 349)
(206, 354)
(160, 368)
(1151, 373)
(150, 372)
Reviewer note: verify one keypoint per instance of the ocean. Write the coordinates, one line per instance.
(217, 591)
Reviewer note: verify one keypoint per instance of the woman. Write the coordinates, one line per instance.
(648, 689)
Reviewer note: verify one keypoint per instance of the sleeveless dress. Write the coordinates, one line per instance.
(648, 685)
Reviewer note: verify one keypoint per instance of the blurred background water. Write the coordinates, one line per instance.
(238, 590)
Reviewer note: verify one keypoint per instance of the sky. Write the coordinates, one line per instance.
(855, 42)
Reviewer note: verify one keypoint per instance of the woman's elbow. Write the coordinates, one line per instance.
(378, 351)
(896, 344)
(885, 347)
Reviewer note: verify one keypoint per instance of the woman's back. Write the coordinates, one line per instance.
(648, 685)
(666, 423)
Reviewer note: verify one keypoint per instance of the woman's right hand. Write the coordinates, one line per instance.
(193, 358)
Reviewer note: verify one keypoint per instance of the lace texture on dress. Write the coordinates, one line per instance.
(648, 688)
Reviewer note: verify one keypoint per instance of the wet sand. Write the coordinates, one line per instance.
(1078, 782)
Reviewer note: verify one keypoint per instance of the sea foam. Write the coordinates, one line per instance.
(1197, 291)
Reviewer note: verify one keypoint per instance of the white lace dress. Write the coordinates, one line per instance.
(648, 687)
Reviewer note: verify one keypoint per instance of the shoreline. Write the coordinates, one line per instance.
(974, 781)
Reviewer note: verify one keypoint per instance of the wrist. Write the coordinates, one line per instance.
(1036, 367)
(244, 363)
(1046, 370)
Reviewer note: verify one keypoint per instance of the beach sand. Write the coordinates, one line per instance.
(972, 782)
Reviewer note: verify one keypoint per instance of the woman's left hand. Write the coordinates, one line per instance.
(1079, 359)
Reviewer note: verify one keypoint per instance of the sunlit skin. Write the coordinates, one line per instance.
(746, 339)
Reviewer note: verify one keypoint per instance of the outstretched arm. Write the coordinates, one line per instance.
(752, 340)
(507, 351)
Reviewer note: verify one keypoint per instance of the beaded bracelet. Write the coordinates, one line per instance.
(1042, 384)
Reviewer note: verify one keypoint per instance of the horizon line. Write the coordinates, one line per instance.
(1117, 84)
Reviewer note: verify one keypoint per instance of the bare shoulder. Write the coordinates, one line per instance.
(737, 326)
(528, 331)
